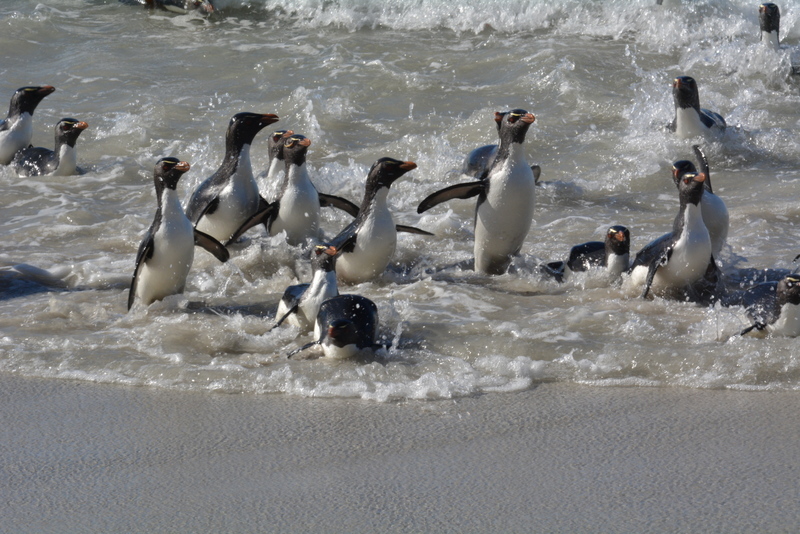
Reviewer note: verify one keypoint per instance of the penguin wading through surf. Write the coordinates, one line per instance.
(16, 130)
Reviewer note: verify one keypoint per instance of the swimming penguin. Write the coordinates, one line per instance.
(16, 130)
(715, 213)
(346, 326)
(300, 303)
(296, 210)
(612, 254)
(270, 183)
(63, 161)
(690, 119)
(227, 203)
(367, 244)
(505, 194)
(682, 257)
(773, 307)
(769, 18)
(167, 250)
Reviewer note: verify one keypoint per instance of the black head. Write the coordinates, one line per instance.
(769, 18)
(691, 187)
(679, 168)
(789, 290)
(275, 143)
(324, 258)
(243, 127)
(295, 148)
(342, 332)
(514, 124)
(68, 130)
(25, 99)
(167, 173)
(385, 171)
(618, 240)
(685, 94)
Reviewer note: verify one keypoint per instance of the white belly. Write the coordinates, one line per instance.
(18, 136)
(298, 215)
(788, 324)
(688, 123)
(375, 246)
(67, 161)
(165, 272)
(717, 221)
(237, 203)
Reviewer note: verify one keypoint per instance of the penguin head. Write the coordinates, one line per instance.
(275, 143)
(25, 99)
(324, 258)
(679, 168)
(168, 171)
(789, 290)
(769, 18)
(244, 126)
(691, 187)
(68, 130)
(295, 148)
(385, 171)
(685, 93)
(514, 125)
(618, 240)
(342, 332)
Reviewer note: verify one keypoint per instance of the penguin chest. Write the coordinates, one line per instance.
(616, 264)
(690, 254)
(788, 324)
(376, 241)
(238, 201)
(716, 219)
(165, 272)
(688, 123)
(322, 287)
(298, 213)
(17, 137)
(334, 352)
(503, 219)
(67, 162)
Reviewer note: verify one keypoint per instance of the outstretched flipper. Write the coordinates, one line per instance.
(411, 230)
(265, 215)
(216, 248)
(332, 201)
(467, 190)
(145, 253)
(755, 326)
(701, 158)
(301, 349)
(652, 268)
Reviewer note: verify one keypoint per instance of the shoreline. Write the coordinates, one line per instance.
(85, 457)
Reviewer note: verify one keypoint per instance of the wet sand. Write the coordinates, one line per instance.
(84, 457)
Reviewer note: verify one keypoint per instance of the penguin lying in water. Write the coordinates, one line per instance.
(63, 161)
(228, 203)
(682, 257)
(690, 119)
(715, 213)
(167, 251)
(612, 254)
(505, 194)
(367, 244)
(773, 307)
(769, 18)
(346, 327)
(300, 303)
(16, 130)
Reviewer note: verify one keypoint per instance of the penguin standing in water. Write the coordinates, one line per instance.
(16, 130)
(715, 213)
(269, 184)
(346, 327)
(167, 250)
(773, 307)
(769, 18)
(63, 161)
(680, 258)
(506, 194)
(367, 244)
(227, 203)
(301, 302)
(690, 119)
(611, 254)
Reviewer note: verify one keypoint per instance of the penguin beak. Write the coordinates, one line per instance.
(305, 142)
(182, 166)
(408, 165)
(269, 118)
(528, 118)
(700, 177)
(46, 90)
(81, 125)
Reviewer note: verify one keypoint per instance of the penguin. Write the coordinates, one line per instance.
(682, 257)
(296, 210)
(690, 119)
(367, 244)
(769, 18)
(772, 307)
(480, 159)
(16, 130)
(228, 203)
(63, 161)
(346, 326)
(270, 182)
(505, 194)
(166, 253)
(300, 303)
(176, 6)
(612, 254)
(715, 213)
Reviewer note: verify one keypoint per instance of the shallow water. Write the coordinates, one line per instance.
(417, 81)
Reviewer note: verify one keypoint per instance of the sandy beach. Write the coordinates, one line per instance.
(80, 457)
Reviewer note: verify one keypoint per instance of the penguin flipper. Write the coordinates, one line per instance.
(466, 190)
(332, 201)
(411, 230)
(301, 349)
(537, 172)
(216, 248)
(145, 253)
(554, 269)
(653, 268)
(754, 326)
(292, 310)
(265, 215)
(583, 257)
